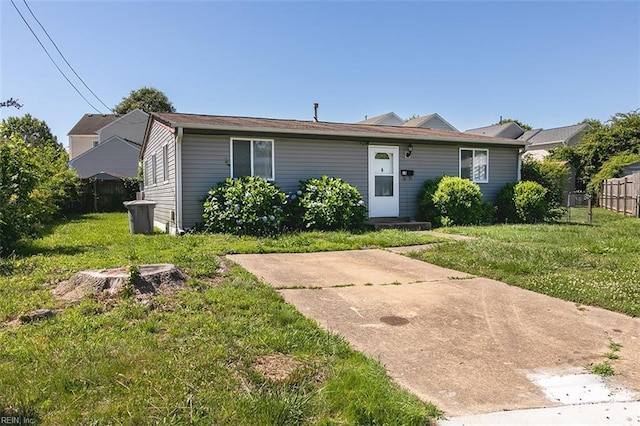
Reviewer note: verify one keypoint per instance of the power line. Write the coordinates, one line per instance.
(52, 60)
(63, 57)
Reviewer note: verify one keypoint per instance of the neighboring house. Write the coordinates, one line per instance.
(185, 155)
(508, 130)
(115, 156)
(631, 169)
(431, 121)
(388, 119)
(107, 143)
(540, 141)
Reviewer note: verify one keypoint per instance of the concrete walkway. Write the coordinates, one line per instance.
(470, 345)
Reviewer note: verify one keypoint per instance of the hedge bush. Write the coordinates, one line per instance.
(506, 208)
(552, 175)
(427, 210)
(250, 205)
(530, 201)
(459, 201)
(327, 204)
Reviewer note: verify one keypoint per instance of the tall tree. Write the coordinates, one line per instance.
(30, 130)
(513, 120)
(148, 99)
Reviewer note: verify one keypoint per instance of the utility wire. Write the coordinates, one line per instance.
(63, 57)
(52, 60)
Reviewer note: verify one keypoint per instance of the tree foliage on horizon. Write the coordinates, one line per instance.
(524, 126)
(11, 103)
(148, 99)
(618, 137)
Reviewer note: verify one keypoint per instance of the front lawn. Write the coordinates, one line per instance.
(594, 264)
(226, 350)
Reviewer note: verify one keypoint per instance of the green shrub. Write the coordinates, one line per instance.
(327, 204)
(552, 175)
(506, 208)
(489, 211)
(612, 168)
(459, 201)
(530, 201)
(250, 205)
(427, 210)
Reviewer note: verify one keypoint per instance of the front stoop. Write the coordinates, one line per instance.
(397, 223)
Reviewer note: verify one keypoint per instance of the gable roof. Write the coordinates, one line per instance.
(507, 130)
(196, 123)
(557, 134)
(421, 121)
(89, 124)
(390, 118)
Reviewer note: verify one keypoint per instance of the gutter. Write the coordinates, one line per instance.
(179, 134)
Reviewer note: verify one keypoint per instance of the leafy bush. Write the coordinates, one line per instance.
(552, 175)
(506, 208)
(427, 210)
(250, 205)
(459, 201)
(530, 201)
(611, 168)
(327, 204)
(488, 216)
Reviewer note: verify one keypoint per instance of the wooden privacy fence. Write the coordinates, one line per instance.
(622, 195)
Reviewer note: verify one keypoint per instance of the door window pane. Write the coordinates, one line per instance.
(384, 186)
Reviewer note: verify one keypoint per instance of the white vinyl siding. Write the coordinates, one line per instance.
(252, 157)
(474, 165)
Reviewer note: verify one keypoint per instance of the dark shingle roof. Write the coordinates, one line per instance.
(557, 134)
(509, 130)
(89, 124)
(311, 128)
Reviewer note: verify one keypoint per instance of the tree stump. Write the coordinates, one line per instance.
(149, 280)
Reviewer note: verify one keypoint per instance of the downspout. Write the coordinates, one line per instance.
(520, 153)
(179, 230)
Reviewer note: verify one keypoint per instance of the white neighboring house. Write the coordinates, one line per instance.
(540, 141)
(107, 144)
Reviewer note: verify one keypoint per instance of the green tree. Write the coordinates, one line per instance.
(148, 99)
(619, 135)
(30, 130)
(513, 120)
(11, 103)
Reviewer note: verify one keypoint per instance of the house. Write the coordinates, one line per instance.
(431, 121)
(107, 143)
(540, 141)
(508, 130)
(185, 155)
(388, 119)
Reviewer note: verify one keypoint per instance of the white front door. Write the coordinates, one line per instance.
(384, 200)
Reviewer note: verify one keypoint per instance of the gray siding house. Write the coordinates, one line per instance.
(185, 155)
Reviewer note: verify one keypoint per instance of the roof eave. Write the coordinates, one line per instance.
(356, 135)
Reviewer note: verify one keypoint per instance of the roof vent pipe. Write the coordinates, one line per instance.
(315, 112)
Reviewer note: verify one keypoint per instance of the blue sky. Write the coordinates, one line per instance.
(545, 63)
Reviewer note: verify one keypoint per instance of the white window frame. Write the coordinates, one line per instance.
(473, 156)
(165, 163)
(252, 141)
(154, 169)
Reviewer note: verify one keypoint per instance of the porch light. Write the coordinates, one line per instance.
(409, 150)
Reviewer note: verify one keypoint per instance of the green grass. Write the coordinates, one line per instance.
(595, 264)
(187, 358)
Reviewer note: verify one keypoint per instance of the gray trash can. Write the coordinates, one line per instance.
(140, 216)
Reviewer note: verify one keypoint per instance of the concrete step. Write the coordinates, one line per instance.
(397, 223)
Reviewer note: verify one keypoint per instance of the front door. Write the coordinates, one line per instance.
(384, 200)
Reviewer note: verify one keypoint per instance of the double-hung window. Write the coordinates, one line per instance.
(474, 165)
(252, 157)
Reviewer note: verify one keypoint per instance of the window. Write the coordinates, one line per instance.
(474, 165)
(165, 163)
(252, 157)
(154, 169)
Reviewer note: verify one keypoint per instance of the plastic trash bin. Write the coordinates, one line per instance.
(140, 216)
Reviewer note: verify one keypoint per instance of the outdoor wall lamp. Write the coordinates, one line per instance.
(409, 150)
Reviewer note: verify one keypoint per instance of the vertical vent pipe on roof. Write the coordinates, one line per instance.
(315, 112)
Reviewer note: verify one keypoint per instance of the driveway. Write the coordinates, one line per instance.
(468, 344)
